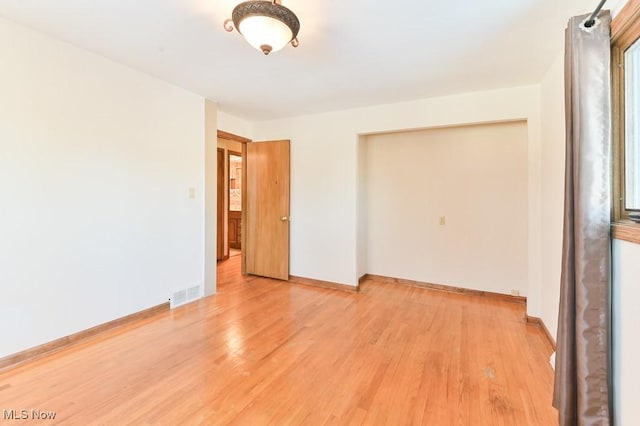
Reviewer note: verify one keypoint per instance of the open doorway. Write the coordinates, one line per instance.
(231, 201)
(255, 212)
(235, 166)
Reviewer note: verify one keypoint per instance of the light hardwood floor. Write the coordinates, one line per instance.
(269, 352)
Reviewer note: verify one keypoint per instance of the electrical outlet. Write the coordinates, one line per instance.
(192, 192)
(515, 293)
(443, 220)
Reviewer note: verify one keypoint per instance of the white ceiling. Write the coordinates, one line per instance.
(352, 52)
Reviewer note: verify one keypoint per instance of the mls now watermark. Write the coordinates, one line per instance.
(32, 414)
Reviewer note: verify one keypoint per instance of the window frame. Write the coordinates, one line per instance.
(625, 30)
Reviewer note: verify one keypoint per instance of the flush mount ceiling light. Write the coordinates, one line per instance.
(265, 24)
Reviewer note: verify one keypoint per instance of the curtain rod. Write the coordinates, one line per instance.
(592, 19)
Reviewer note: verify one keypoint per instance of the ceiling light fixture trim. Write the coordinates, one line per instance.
(265, 24)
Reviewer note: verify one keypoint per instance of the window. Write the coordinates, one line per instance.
(631, 153)
(625, 61)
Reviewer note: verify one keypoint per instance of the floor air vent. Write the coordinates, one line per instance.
(180, 297)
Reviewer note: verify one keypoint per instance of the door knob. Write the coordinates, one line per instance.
(284, 218)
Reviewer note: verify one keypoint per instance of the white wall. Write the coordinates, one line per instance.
(362, 208)
(210, 197)
(96, 162)
(473, 176)
(626, 323)
(553, 155)
(324, 190)
(236, 125)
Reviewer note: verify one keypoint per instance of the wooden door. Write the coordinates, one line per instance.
(220, 210)
(267, 209)
(235, 229)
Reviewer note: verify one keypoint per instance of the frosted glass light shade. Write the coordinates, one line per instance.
(265, 33)
(265, 24)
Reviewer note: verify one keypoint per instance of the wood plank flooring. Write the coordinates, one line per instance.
(269, 352)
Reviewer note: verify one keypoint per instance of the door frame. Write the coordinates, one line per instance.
(243, 188)
(220, 253)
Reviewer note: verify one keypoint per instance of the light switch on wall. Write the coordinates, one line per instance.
(443, 220)
(192, 192)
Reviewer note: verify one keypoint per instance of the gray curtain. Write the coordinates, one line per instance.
(581, 392)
